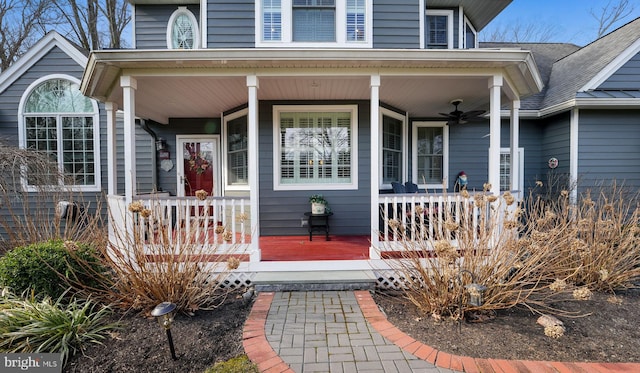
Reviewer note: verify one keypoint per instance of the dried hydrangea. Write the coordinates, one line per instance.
(465, 194)
(492, 199)
(614, 299)
(564, 193)
(136, 206)
(419, 210)
(510, 224)
(539, 183)
(479, 200)
(582, 293)
(558, 285)
(242, 217)
(486, 186)
(604, 274)
(201, 194)
(451, 225)
(509, 199)
(233, 263)
(145, 213)
(70, 245)
(227, 236)
(554, 331)
(394, 223)
(219, 229)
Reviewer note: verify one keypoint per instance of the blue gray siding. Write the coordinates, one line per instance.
(231, 24)
(609, 147)
(281, 211)
(54, 62)
(151, 24)
(627, 77)
(396, 24)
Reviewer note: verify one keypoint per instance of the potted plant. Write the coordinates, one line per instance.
(318, 204)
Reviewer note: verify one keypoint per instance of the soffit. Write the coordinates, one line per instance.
(480, 13)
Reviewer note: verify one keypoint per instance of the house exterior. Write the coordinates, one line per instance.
(264, 103)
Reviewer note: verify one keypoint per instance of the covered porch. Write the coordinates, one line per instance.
(161, 85)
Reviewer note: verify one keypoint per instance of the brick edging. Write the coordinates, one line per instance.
(254, 339)
(445, 360)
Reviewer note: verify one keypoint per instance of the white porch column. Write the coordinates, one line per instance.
(129, 85)
(573, 154)
(112, 164)
(374, 253)
(515, 144)
(252, 134)
(495, 85)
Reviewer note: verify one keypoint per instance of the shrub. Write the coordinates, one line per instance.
(239, 364)
(29, 325)
(49, 267)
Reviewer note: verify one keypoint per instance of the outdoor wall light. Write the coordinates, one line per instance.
(163, 312)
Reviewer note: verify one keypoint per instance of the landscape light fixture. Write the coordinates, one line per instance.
(163, 312)
(476, 294)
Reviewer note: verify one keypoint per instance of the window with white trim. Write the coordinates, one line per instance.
(315, 147)
(182, 30)
(430, 153)
(439, 29)
(505, 169)
(314, 22)
(392, 165)
(237, 145)
(62, 123)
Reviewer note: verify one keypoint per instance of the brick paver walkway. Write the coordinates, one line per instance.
(344, 331)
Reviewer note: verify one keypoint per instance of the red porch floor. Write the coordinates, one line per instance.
(299, 248)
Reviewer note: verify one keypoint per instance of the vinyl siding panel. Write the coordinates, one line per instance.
(609, 146)
(281, 211)
(151, 23)
(627, 77)
(396, 24)
(231, 24)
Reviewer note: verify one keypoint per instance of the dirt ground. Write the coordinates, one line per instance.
(610, 332)
(606, 332)
(141, 345)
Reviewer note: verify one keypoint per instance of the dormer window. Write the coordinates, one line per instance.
(439, 29)
(314, 23)
(182, 31)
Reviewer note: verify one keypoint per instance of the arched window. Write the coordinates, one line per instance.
(59, 121)
(182, 31)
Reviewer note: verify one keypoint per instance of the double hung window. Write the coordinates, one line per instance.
(237, 145)
(62, 123)
(315, 147)
(314, 22)
(393, 145)
(430, 157)
(439, 29)
(505, 169)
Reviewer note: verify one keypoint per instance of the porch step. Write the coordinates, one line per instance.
(314, 280)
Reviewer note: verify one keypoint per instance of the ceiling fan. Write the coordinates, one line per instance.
(460, 117)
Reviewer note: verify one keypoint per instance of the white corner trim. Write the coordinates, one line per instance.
(612, 67)
(37, 52)
(573, 152)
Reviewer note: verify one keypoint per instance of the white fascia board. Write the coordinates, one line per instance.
(37, 52)
(612, 67)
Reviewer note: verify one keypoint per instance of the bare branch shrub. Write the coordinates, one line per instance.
(151, 263)
(29, 213)
(526, 253)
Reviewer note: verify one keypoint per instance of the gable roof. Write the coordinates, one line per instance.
(545, 55)
(38, 51)
(583, 69)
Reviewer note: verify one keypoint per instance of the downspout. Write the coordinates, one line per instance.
(144, 124)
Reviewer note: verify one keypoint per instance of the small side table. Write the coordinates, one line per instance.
(318, 222)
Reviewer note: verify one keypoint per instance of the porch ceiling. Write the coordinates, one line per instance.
(421, 83)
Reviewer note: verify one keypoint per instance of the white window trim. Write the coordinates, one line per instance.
(22, 138)
(464, 33)
(441, 12)
(194, 21)
(353, 109)
(341, 28)
(520, 181)
(403, 171)
(445, 153)
(225, 146)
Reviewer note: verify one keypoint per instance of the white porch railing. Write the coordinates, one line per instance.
(426, 218)
(158, 219)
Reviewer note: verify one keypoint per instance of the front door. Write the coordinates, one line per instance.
(198, 164)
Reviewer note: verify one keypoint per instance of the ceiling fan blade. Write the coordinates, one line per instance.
(473, 113)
